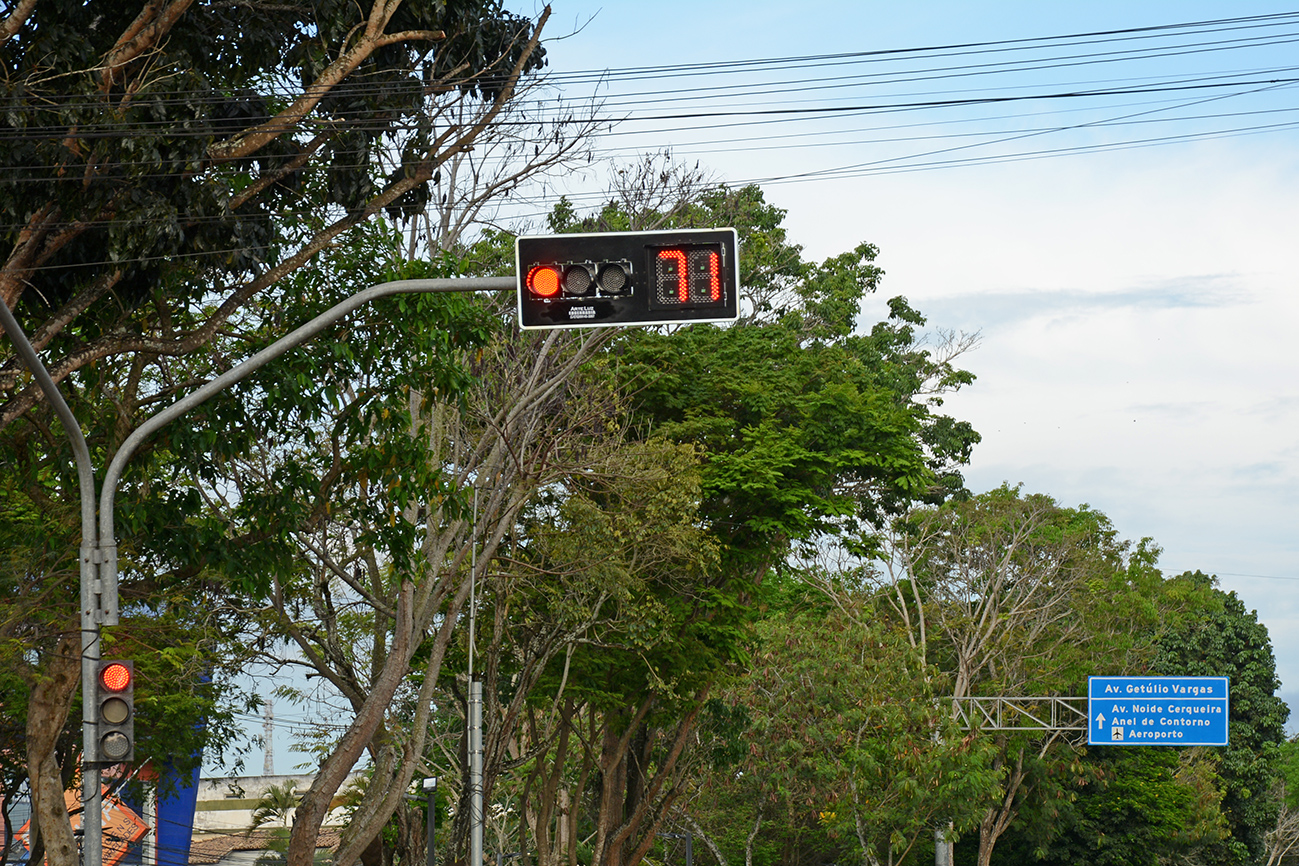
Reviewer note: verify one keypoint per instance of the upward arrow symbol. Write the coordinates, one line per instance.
(1100, 720)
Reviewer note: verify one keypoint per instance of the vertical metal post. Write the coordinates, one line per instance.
(431, 785)
(475, 710)
(690, 845)
(475, 773)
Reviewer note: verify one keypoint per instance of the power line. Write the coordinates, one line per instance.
(150, 100)
(954, 49)
(1262, 576)
(1174, 93)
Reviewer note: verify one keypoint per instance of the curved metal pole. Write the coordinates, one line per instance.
(91, 819)
(107, 543)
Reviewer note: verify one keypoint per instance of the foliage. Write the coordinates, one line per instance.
(1013, 594)
(1229, 641)
(275, 807)
(807, 427)
(1155, 805)
(1283, 839)
(167, 161)
(623, 605)
(168, 165)
(850, 751)
(1126, 807)
(1288, 768)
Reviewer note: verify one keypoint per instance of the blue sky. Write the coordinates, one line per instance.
(1136, 304)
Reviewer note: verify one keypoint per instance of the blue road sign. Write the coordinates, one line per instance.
(1157, 711)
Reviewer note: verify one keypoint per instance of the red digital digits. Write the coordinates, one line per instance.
(683, 279)
(683, 274)
(714, 276)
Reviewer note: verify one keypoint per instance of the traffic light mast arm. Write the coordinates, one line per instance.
(241, 371)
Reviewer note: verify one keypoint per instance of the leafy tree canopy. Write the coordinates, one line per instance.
(1228, 640)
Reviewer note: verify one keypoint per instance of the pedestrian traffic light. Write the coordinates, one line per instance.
(628, 278)
(115, 712)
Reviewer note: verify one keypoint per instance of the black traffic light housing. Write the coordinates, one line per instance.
(114, 712)
(668, 277)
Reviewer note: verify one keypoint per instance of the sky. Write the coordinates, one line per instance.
(1134, 292)
(1113, 215)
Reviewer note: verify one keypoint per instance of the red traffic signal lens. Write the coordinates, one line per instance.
(115, 677)
(544, 281)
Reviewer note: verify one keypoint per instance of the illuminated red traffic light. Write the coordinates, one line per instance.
(114, 740)
(544, 281)
(115, 677)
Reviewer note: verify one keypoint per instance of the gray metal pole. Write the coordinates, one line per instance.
(942, 848)
(91, 816)
(431, 785)
(475, 773)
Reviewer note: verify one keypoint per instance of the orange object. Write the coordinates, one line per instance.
(121, 825)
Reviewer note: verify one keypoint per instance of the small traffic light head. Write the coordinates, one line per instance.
(628, 278)
(114, 712)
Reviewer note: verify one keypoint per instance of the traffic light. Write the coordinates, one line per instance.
(628, 278)
(115, 712)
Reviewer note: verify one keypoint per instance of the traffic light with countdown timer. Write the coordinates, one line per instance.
(115, 712)
(628, 278)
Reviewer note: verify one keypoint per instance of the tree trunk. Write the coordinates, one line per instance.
(47, 712)
(311, 812)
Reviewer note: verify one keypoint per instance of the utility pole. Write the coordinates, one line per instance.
(431, 786)
(268, 735)
(474, 715)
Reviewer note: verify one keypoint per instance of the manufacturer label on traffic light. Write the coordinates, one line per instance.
(628, 278)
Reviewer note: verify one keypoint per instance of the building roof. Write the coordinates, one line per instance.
(213, 849)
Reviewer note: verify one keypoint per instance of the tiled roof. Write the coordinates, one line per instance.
(204, 852)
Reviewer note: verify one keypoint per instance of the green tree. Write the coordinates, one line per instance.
(275, 807)
(850, 753)
(1013, 594)
(170, 164)
(1120, 806)
(617, 627)
(1284, 838)
(1229, 641)
(803, 429)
